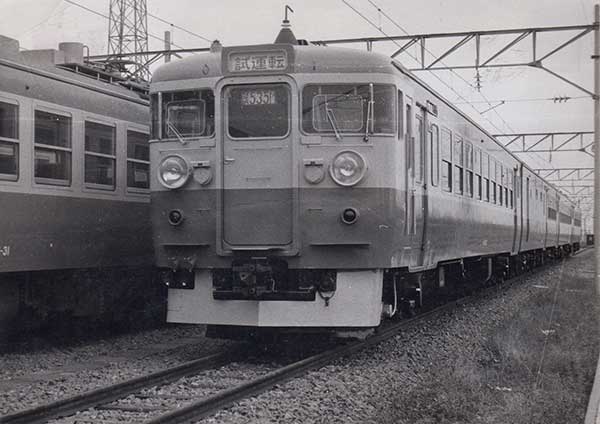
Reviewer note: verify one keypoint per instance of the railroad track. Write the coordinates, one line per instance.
(185, 393)
(181, 394)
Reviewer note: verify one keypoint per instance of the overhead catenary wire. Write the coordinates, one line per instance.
(179, 27)
(465, 101)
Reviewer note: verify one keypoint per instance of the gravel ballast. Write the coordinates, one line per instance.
(52, 373)
(371, 387)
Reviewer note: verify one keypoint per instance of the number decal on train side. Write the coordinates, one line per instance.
(4, 251)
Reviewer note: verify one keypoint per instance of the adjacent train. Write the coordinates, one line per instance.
(75, 230)
(301, 187)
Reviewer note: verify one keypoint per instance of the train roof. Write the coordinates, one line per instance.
(306, 59)
(59, 65)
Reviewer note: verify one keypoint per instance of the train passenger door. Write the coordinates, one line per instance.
(409, 208)
(257, 199)
(515, 205)
(419, 189)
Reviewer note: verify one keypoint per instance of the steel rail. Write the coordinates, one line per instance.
(224, 398)
(71, 405)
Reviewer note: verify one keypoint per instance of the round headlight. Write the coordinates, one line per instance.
(173, 172)
(348, 168)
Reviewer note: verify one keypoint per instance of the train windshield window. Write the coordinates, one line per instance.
(187, 114)
(52, 148)
(347, 107)
(138, 160)
(100, 155)
(9, 147)
(258, 111)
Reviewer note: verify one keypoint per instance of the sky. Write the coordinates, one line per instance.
(45, 23)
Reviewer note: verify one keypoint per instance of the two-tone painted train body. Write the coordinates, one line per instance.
(74, 182)
(299, 186)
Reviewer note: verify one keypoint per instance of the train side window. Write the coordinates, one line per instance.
(446, 160)
(400, 114)
(458, 165)
(419, 156)
(100, 157)
(9, 141)
(477, 164)
(469, 168)
(138, 160)
(485, 170)
(434, 139)
(511, 186)
(493, 192)
(500, 182)
(52, 148)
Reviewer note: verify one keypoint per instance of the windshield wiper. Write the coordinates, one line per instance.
(177, 133)
(370, 113)
(333, 122)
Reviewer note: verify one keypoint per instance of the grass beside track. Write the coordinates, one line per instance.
(537, 366)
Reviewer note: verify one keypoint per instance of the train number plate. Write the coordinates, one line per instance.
(4, 251)
(258, 61)
(258, 97)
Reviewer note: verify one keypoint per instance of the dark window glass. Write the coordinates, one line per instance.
(347, 108)
(186, 114)
(419, 157)
(99, 138)
(258, 111)
(53, 160)
(400, 114)
(52, 129)
(9, 120)
(155, 115)
(9, 158)
(100, 156)
(446, 160)
(138, 157)
(458, 168)
(99, 170)
(53, 164)
(434, 140)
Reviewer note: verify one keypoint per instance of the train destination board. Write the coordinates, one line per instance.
(258, 61)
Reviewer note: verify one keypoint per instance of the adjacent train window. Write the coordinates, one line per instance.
(258, 111)
(511, 182)
(138, 160)
(434, 141)
(186, 114)
(52, 136)
(9, 143)
(346, 109)
(446, 160)
(458, 165)
(469, 166)
(493, 193)
(100, 155)
(485, 170)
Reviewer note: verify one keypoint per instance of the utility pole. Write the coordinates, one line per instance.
(596, 58)
(127, 34)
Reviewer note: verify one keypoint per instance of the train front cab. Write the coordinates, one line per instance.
(280, 198)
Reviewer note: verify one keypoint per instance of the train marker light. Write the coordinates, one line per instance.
(175, 217)
(348, 168)
(349, 216)
(173, 172)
